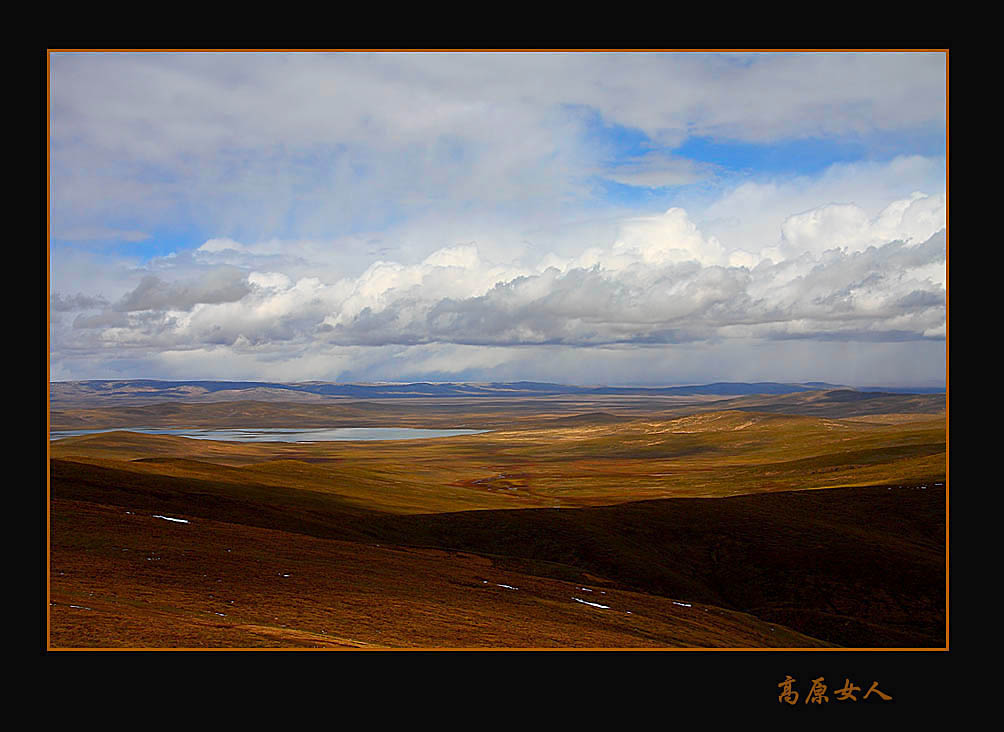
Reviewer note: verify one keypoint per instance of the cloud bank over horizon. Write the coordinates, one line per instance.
(583, 218)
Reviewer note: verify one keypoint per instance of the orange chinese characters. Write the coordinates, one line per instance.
(874, 687)
(817, 694)
(847, 692)
(788, 694)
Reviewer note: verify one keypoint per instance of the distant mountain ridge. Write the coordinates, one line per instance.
(171, 390)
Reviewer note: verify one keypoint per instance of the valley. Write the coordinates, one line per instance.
(798, 520)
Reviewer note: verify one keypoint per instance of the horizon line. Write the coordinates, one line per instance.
(518, 381)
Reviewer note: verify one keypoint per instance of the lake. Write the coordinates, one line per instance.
(280, 434)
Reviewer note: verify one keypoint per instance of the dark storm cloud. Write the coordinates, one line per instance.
(226, 284)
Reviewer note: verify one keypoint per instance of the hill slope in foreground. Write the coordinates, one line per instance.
(616, 528)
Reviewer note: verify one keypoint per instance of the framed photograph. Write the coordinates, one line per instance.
(587, 348)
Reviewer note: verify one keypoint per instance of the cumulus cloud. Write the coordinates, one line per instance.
(878, 293)
(848, 226)
(843, 276)
(751, 216)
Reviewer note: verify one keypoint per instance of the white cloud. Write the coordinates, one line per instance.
(212, 246)
(249, 145)
(843, 277)
(847, 226)
(749, 217)
(269, 280)
(463, 256)
(666, 238)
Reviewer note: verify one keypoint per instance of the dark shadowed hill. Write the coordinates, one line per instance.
(862, 567)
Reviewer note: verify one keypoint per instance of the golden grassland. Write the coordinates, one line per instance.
(685, 525)
(711, 454)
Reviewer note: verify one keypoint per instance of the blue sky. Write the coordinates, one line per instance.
(603, 217)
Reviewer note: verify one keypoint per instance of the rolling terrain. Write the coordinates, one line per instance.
(593, 459)
(597, 521)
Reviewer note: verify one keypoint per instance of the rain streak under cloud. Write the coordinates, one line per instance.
(586, 218)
